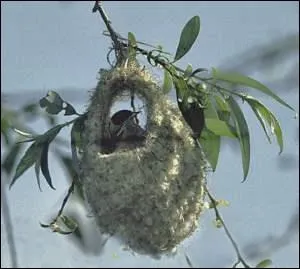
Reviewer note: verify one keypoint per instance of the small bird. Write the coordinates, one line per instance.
(123, 127)
(193, 114)
(191, 109)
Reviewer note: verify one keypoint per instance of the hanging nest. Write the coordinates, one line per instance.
(149, 195)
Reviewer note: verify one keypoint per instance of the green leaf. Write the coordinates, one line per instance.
(188, 260)
(44, 164)
(188, 37)
(198, 70)
(188, 71)
(69, 110)
(237, 78)
(37, 172)
(50, 134)
(27, 161)
(182, 90)
(69, 222)
(210, 144)
(10, 158)
(45, 225)
(223, 108)
(52, 102)
(242, 133)
(210, 111)
(131, 47)
(265, 116)
(167, 86)
(264, 263)
(220, 127)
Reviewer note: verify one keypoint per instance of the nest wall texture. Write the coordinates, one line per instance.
(149, 196)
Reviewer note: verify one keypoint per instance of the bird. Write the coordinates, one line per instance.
(123, 127)
(193, 114)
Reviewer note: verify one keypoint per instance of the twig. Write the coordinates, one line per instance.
(234, 244)
(9, 226)
(71, 189)
(118, 46)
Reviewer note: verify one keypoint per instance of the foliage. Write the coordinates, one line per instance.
(211, 93)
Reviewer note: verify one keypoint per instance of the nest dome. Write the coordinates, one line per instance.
(149, 196)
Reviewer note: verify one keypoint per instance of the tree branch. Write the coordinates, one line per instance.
(234, 244)
(118, 46)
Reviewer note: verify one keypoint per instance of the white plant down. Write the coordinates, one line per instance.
(148, 195)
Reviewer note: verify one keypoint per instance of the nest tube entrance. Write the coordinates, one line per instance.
(150, 197)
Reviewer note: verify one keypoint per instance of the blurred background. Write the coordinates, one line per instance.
(59, 46)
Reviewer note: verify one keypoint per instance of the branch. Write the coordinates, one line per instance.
(165, 64)
(234, 244)
(71, 189)
(118, 46)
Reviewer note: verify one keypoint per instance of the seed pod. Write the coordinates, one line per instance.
(149, 195)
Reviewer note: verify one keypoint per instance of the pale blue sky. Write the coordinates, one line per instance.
(55, 45)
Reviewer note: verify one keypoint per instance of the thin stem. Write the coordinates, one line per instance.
(9, 226)
(118, 46)
(132, 102)
(165, 66)
(234, 244)
(70, 190)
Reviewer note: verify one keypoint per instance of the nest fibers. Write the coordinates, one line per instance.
(150, 196)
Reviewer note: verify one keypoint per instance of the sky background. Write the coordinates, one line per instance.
(59, 45)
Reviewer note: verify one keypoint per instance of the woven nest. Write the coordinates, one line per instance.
(148, 196)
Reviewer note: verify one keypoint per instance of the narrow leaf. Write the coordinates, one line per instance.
(223, 108)
(188, 71)
(69, 222)
(50, 134)
(242, 133)
(263, 264)
(198, 70)
(44, 164)
(221, 103)
(37, 168)
(210, 144)
(188, 260)
(131, 49)
(264, 116)
(52, 102)
(188, 37)
(10, 158)
(27, 161)
(220, 128)
(237, 78)
(69, 110)
(45, 225)
(167, 86)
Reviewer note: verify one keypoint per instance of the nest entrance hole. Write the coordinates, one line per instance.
(132, 102)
